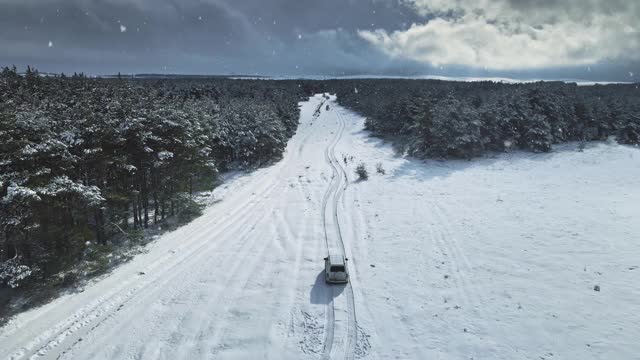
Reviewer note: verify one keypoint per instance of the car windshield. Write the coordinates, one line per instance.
(337, 268)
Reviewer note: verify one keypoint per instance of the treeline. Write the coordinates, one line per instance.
(83, 159)
(443, 119)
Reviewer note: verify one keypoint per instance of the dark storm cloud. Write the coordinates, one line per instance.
(90, 33)
(296, 37)
(211, 36)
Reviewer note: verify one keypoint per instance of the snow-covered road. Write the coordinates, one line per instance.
(242, 281)
(491, 259)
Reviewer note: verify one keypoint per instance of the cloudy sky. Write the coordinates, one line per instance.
(578, 39)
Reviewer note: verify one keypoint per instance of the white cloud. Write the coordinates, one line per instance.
(515, 34)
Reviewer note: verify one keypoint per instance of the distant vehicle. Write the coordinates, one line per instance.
(335, 269)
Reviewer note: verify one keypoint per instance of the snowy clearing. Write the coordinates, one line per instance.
(496, 258)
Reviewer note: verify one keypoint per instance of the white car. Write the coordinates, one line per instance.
(335, 269)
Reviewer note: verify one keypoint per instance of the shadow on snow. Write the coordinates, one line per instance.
(324, 293)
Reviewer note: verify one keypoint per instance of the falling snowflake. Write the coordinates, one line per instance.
(299, 36)
(630, 74)
(50, 43)
(200, 18)
(123, 28)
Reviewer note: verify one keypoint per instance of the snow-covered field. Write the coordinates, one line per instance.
(489, 259)
(498, 258)
(427, 77)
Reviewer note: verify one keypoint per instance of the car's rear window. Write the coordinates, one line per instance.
(337, 268)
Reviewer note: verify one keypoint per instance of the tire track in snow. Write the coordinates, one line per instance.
(303, 142)
(465, 268)
(461, 265)
(353, 347)
(249, 262)
(297, 238)
(239, 268)
(281, 238)
(52, 344)
(338, 185)
(252, 262)
(224, 335)
(156, 287)
(284, 229)
(462, 268)
(358, 344)
(244, 263)
(441, 238)
(330, 309)
(308, 323)
(147, 298)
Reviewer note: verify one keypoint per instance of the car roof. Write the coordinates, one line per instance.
(336, 259)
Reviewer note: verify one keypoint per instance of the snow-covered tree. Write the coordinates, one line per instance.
(82, 159)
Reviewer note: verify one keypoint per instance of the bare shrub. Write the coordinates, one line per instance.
(361, 171)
